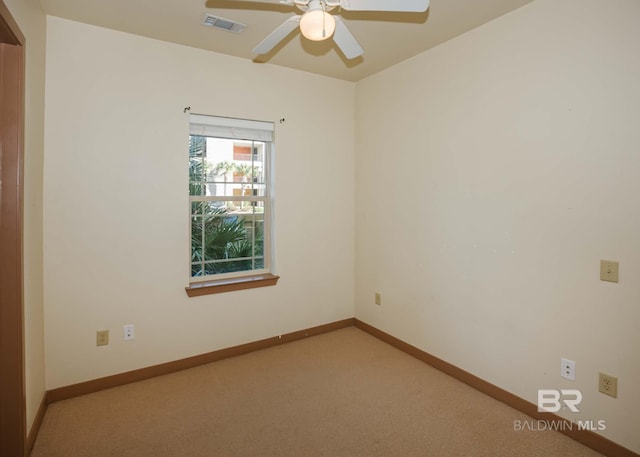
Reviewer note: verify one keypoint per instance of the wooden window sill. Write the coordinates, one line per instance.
(218, 286)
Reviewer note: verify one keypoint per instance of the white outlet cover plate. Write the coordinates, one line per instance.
(129, 332)
(568, 369)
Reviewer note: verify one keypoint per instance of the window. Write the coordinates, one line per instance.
(229, 198)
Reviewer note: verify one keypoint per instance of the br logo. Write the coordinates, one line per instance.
(552, 400)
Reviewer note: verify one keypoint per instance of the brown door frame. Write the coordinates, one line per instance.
(12, 383)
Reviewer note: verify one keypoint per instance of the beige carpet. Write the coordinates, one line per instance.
(343, 393)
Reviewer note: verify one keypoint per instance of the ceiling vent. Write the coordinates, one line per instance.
(223, 24)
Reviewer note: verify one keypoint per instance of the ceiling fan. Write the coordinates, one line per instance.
(317, 24)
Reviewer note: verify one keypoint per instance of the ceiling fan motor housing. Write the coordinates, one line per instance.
(316, 24)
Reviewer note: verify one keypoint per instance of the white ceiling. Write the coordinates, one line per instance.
(387, 38)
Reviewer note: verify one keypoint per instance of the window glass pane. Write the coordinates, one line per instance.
(227, 267)
(224, 167)
(259, 235)
(258, 173)
(227, 242)
(197, 238)
(220, 232)
(196, 167)
(258, 164)
(258, 190)
(242, 150)
(197, 269)
(197, 207)
(197, 146)
(212, 269)
(222, 172)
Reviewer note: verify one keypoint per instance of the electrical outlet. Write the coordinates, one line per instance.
(568, 369)
(102, 337)
(608, 385)
(609, 270)
(378, 298)
(129, 332)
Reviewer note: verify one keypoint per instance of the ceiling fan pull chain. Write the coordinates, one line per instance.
(324, 32)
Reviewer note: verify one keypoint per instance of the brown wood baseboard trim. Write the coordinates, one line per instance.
(37, 422)
(120, 379)
(586, 437)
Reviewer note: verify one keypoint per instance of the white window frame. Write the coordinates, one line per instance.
(240, 130)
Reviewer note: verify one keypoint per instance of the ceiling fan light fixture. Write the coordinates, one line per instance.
(317, 25)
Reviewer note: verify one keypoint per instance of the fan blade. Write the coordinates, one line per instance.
(409, 6)
(283, 2)
(277, 35)
(345, 40)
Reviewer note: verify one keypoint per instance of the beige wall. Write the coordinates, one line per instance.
(31, 20)
(116, 210)
(493, 174)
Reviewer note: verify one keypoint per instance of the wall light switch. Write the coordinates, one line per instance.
(609, 270)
